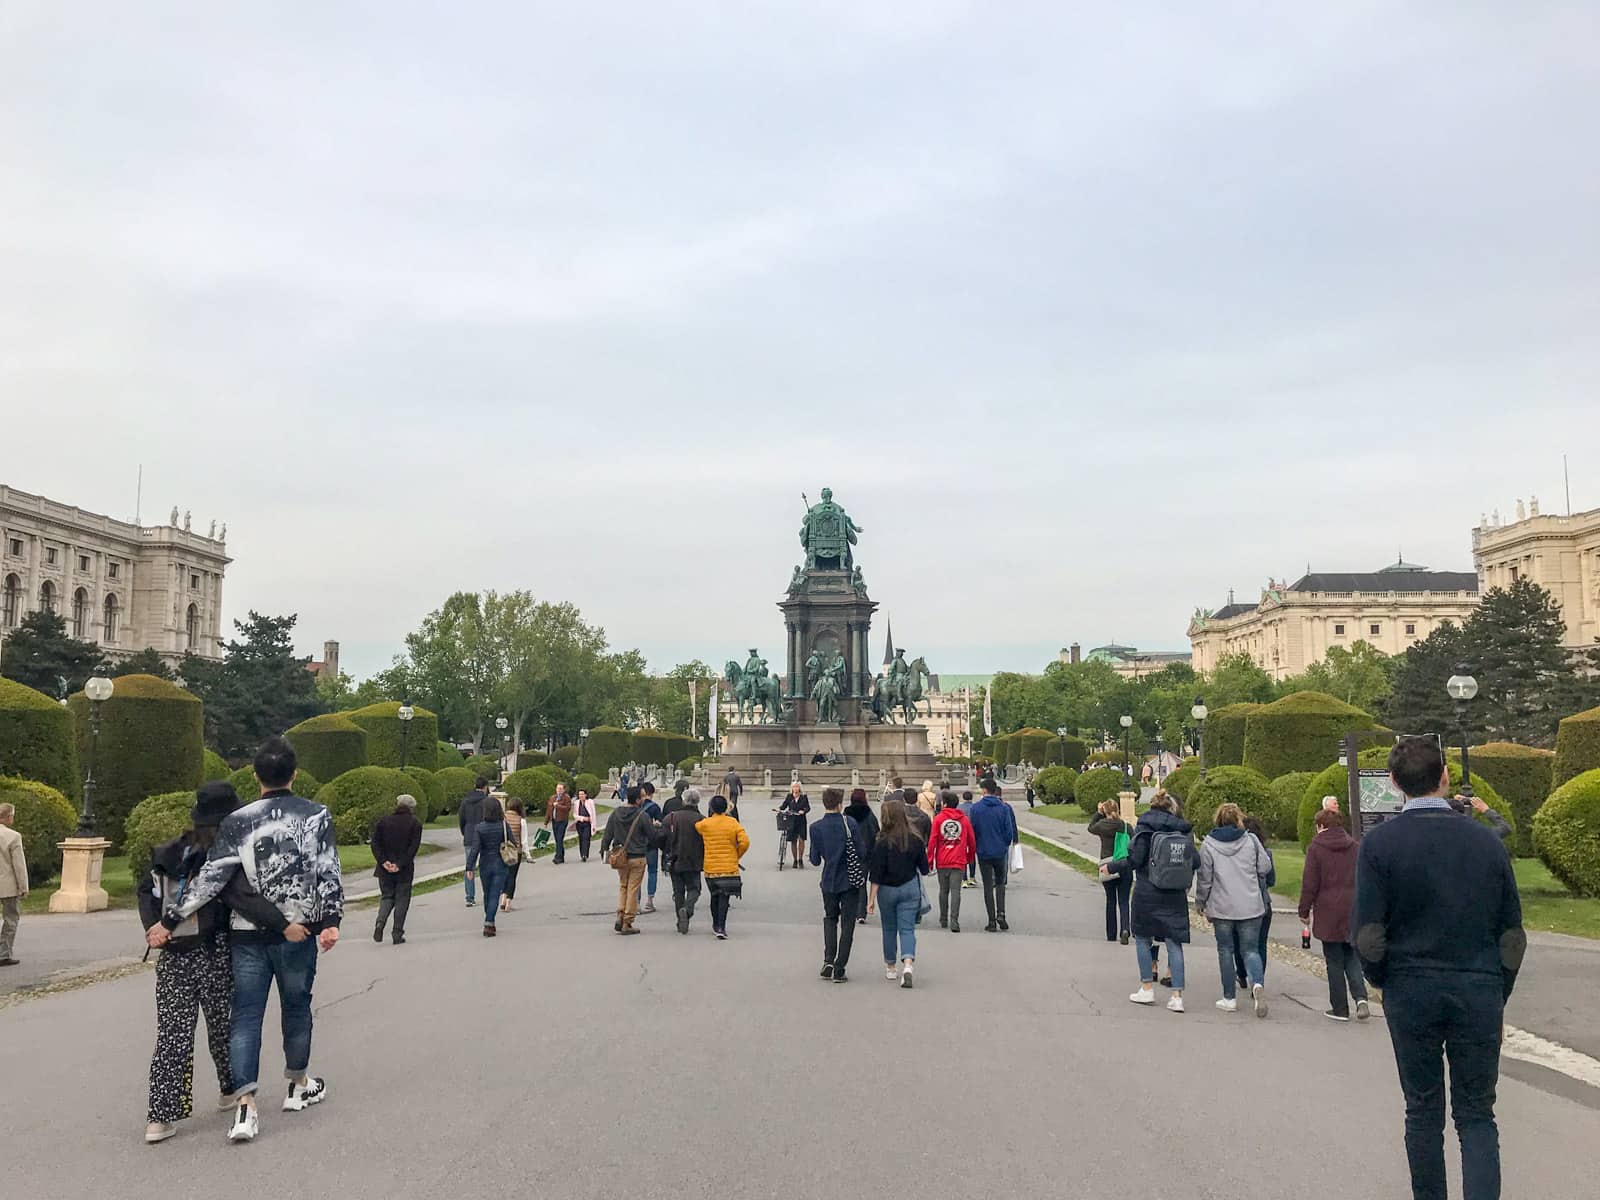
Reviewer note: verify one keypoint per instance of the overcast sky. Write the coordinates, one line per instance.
(1086, 316)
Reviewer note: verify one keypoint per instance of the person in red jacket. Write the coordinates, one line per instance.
(951, 849)
(1327, 894)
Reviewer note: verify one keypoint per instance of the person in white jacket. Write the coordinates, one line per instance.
(1228, 889)
(13, 883)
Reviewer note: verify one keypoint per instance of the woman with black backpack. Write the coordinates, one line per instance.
(1163, 859)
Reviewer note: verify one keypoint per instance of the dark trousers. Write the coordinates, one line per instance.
(510, 892)
(1434, 1018)
(395, 897)
(839, 912)
(1344, 969)
(993, 871)
(585, 836)
(559, 830)
(950, 894)
(719, 911)
(188, 984)
(685, 893)
(1119, 890)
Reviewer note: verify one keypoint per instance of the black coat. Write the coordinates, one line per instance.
(863, 816)
(1158, 912)
(684, 849)
(397, 838)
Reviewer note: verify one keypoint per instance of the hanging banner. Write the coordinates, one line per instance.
(711, 719)
(694, 708)
(988, 710)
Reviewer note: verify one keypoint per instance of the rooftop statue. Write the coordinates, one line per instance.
(827, 535)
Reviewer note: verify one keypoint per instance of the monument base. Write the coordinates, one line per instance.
(80, 890)
(902, 749)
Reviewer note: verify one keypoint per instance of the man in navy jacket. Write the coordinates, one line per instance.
(841, 899)
(995, 826)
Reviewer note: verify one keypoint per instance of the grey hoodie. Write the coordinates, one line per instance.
(1233, 867)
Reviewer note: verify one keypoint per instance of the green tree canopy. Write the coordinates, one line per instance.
(40, 654)
(258, 688)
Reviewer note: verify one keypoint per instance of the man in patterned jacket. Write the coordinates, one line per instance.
(284, 845)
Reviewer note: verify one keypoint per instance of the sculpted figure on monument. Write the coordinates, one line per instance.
(840, 671)
(813, 668)
(826, 697)
(797, 580)
(827, 535)
(858, 585)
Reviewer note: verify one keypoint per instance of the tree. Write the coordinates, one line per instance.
(1417, 702)
(453, 665)
(1237, 680)
(1360, 675)
(257, 689)
(546, 650)
(41, 655)
(147, 662)
(341, 693)
(669, 706)
(1515, 652)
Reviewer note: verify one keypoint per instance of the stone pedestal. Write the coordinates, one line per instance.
(81, 861)
(893, 749)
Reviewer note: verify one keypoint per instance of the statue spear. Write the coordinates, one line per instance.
(806, 500)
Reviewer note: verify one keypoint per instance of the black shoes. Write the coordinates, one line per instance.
(991, 927)
(377, 934)
(1123, 938)
(827, 970)
(399, 939)
(841, 977)
(955, 926)
(1001, 920)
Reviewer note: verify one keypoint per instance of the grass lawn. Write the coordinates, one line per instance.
(354, 859)
(1290, 862)
(1064, 812)
(1081, 865)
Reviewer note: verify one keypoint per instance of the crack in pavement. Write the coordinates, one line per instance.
(364, 991)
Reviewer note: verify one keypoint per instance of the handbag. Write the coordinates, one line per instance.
(1016, 856)
(926, 906)
(510, 852)
(854, 870)
(1120, 844)
(617, 860)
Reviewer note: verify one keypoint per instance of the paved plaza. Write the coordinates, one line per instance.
(561, 1059)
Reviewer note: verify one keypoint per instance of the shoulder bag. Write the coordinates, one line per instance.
(618, 858)
(854, 869)
(509, 851)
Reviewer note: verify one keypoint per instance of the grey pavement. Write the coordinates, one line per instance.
(562, 1059)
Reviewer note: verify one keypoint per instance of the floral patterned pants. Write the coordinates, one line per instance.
(188, 983)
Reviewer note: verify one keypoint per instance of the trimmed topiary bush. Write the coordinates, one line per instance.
(153, 821)
(249, 787)
(1287, 791)
(430, 797)
(383, 725)
(152, 740)
(688, 765)
(359, 797)
(486, 765)
(454, 783)
(1033, 746)
(449, 756)
(681, 746)
(1577, 746)
(1112, 758)
(1225, 735)
(1566, 833)
(1524, 777)
(534, 787)
(44, 817)
(1181, 781)
(1067, 752)
(212, 767)
(1055, 785)
(1334, 781)
(589, 783)
(1247, 788)
(1093, 788)
(607, 747)
(531, 758)
(1303, 731)
(566, 757)
(37, 739)
(329, 745)
(649, 746)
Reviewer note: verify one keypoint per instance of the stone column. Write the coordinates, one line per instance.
(851, 660)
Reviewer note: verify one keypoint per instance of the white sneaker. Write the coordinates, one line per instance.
(888, 973)
(1175, 1004)
(245, 1124)
(905, 976)
(159, 1131)
(1228, 1005)
(1363, 1010)
(303, 1096)
(1259, 994)
(1144, 996)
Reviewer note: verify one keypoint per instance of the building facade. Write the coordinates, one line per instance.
(1294, 625)
(1127, 661)
(122, 586)
(1560, 554)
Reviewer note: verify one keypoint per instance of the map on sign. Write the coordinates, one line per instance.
(1380, 799)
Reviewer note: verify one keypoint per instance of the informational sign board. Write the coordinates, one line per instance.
(1380, 799)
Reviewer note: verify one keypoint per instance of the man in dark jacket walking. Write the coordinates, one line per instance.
(832, 838)
(630, 829)
(395, 842)
(685, 854)
(994, 826)
(468, 817)
(1439, 928)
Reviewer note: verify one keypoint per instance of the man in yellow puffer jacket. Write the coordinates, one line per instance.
(726, 842)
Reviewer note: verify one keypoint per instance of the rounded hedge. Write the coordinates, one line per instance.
(249, 787)
(1033, 746)
(567, 757)
(1283, 822)
(430, 799)
(1244, 786)
(1067, 752)
(1092, 788)
(649, 746)
(606, 747)
(1112, 758)
(37, 739)
(212, 768)
(531, 758)
(454, 783)
(449, 756)
(1577, 746)
(153, 821)
(688, 765)
(44, 817)
(486, 765)
(329, 745)
(1566, 833)
(1335, 781)
(681, 746)
(359, 797)
(1180, 782)
(1224, 735)
(1524, 777)
(1301, 732)
(533, 787)
(152, 740)
(383, 725)
(587, 783)
(1055, 785)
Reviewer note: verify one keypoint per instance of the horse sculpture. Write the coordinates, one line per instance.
(752, 691)
(906, 693)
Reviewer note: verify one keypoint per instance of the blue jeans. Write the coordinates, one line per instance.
(1244, 939)
(255, 966)
(897, 910)
(1147, 961)
(652, 868)
(472, 865)
(1432, 1017)
(494, 886)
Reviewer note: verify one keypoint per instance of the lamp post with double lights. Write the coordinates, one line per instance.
(501, 723)
(1463, 689)
(1127, 726)
(98, 690)
(1198, 714)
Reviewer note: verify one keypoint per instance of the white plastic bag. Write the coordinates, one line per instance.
(1016, 856)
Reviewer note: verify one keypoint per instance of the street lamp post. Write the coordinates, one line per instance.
(405, 713)
(500, 723)
(583, 740)
(1061, 736)
(98, 690)
(1127, 725)
(1160, 750)
(1198, 712)
(1463, 689)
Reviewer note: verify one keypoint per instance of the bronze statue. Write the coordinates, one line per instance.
(813, 668)
(752, 687)
(858, 585)
(840, 671)
(797, 580)
(827, 535)
(903, 689)
(826, 697)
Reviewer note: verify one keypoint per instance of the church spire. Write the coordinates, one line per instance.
(888, 646)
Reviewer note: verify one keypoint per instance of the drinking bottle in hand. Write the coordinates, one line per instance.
(1305, 937)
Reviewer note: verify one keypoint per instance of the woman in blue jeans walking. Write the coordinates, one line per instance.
(895, 868)
(1229, 890)
(492, 870)
(1162, 855)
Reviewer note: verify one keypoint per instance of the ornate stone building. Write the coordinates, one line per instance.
(1560, 554)
(123, 586)
(1293, 625)
(1127, 661)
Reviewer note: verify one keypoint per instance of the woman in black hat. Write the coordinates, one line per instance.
(194, 973)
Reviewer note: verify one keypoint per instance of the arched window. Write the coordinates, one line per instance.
(110, 632)
(191, 626)
(47, 596)
(12, 602)
(80, 613)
